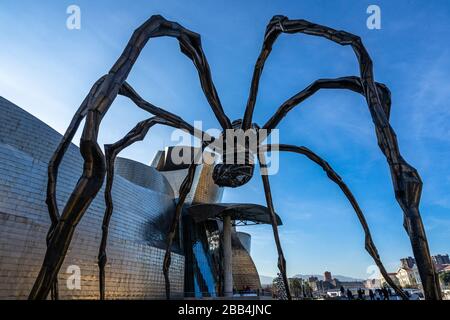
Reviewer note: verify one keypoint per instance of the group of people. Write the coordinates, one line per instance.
(246, 290)
(378, 294)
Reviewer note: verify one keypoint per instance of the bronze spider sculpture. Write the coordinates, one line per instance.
(406, 180)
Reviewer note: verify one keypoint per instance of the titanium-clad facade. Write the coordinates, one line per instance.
(138, 225)
(144, 201)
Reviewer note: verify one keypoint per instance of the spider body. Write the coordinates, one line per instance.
(237, 166)
(238, 148)
(232, 175)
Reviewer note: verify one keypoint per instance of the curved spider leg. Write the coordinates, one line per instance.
(185, 188)
(57, 156)
(87, 187)
(190, 45)
(274, 29)
(351, 83)
(94, 108)
(52, 172)
(406, 180)
(129, 92)
(273, 221)
(333, 176)
(184, 191)
(138, 133)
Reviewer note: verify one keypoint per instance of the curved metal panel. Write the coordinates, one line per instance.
(238, 211)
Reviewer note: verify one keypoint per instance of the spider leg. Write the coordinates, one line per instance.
(273, 221)
(55, 161)
(185, 188)
(138, 133)
(333, 176)
(406, 180)
(53, 167)
(87, 187)
(190, 45)
(184, 191)
(129, 92)
(349, 83)
(94, 108)
(54, 293)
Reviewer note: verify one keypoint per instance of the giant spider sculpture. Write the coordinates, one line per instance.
(406, 180)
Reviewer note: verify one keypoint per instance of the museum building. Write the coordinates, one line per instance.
(144, 199)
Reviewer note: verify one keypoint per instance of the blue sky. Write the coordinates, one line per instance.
(47, 70)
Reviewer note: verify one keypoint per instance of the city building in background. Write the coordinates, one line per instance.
(372, 283)
(393, 276)
(327, 276)
(441, 259)
(408, 276)
(407, 262)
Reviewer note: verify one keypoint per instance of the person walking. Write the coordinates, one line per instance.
(385, 294)
(379, 294)
(349, 295)
(360, 294)
(371, 294)
(342, 291)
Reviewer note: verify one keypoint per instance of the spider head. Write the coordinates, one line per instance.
(237, 164)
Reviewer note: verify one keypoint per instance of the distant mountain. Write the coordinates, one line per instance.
(321, 277)
(266, 280)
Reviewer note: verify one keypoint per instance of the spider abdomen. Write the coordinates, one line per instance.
(238, 148)
(232, 175)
